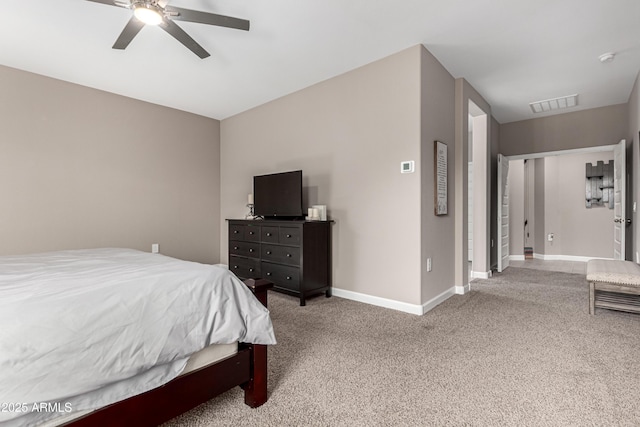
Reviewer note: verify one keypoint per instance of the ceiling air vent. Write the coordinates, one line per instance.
(554, 103)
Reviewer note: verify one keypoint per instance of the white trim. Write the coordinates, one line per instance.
(566, 257)
(598, 149)
(433, 302)
(480, 274)
(461, 290)
(516, 257)
(393, 304)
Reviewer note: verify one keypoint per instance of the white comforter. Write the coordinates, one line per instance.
(74, 324)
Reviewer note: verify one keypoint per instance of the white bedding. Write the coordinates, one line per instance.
(75, 325)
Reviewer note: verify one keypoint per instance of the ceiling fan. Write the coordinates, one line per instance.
(156, 12)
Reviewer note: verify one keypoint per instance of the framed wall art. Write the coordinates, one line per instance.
(440, 167)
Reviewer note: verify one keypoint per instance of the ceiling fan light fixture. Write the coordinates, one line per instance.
(148, 13)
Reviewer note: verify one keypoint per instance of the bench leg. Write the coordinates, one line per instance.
(592, 298)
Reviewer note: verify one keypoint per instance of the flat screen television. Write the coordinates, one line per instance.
(278, 195)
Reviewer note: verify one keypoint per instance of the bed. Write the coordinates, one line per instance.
(104, 337)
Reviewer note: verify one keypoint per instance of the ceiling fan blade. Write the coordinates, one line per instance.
(113, 3)
(184, 38)
(206, 18)
(132, 28)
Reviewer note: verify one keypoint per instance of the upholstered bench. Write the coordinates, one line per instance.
(614, 285)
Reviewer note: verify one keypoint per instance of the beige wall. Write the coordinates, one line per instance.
(634, 128)
(349, 135)
(540, 204)
(578, 230)
(580, 129)
(83, 168)
(437, 124)
(516, 207)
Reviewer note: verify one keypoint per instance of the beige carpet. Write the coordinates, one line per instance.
(520, 350)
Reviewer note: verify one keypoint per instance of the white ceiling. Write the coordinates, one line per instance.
(512, 51)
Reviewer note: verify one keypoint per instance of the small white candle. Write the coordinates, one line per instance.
(310, 213)
(250, 199)
(314, 213)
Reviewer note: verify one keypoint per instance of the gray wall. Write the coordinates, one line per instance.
(578, 230)
(437, 124)
(540, 203)
(349, 135)
(516, 207)
(83, 168)
(580, 129)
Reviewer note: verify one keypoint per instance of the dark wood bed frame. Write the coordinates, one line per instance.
(247, 369)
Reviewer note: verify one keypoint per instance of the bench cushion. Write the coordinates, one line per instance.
(613, 271)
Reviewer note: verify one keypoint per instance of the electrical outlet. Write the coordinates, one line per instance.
(429, 265)
(155, 248)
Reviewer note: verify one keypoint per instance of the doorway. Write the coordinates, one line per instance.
(560, 226)
(478, 195)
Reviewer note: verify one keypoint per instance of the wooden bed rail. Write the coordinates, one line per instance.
(247, 369)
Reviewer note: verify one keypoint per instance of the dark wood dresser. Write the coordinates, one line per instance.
(294, 255)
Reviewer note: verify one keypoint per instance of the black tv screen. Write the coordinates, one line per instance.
(278, 194)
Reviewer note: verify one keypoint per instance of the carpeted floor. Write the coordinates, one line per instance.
(520, 350)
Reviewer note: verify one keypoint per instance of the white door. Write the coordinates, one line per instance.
(619, 220)
(503, 213)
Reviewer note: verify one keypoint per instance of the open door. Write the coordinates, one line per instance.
(503, 213)
(619, 192)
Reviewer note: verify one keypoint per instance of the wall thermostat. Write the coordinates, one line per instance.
(407, 167)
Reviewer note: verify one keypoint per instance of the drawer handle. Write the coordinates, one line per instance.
(268, 234)
(251, 270)
(235, 247)
(251, 232)
(288, 235)
(235, 231)
(235, 267)
(288, 255)
(269, 274)
(288, 277)
(251, 250)
(268, 252)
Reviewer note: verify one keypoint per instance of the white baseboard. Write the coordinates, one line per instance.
(516, 257)
(480, 274)
(393, 304)
(461, 290)
(565, 257)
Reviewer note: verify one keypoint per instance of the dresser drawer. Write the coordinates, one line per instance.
(289, 235)
(269, 234)
(249, 249)
(283, 254)
(244, 268)
(252, 233)
(236, 232)
(282, 275)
